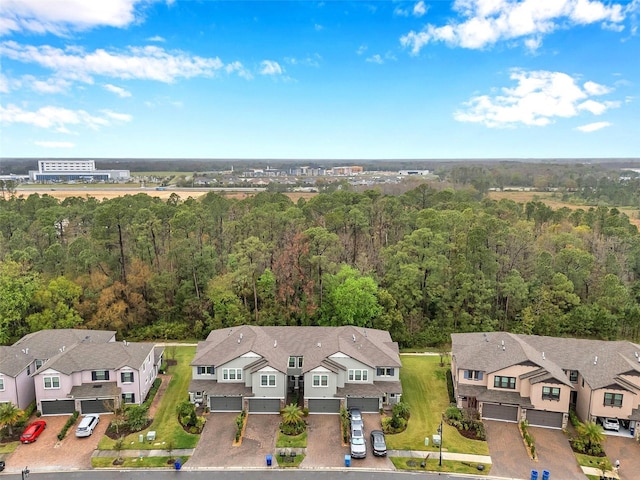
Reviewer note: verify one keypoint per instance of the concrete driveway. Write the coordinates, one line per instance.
(215, 448)
(555, 454)
(48, 453)
(627, 451)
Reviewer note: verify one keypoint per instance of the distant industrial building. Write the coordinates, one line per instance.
(349, 170)
(75, 170)
(414, 172)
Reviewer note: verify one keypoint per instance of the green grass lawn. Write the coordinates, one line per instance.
(8, 447)
(165, 423)
(291, 441)
(424, 388)
(451, 466)
(135, 462)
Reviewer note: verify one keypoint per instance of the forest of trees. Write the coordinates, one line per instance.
(421, 265)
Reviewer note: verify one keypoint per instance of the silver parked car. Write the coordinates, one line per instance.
(358, 443)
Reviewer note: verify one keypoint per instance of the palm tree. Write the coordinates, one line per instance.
(10, 414)
(292, 414)
(591, 434)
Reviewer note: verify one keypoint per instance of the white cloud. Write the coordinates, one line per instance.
(5, 84)
(121, 92)
(592, 127)
(47, 144)
(238, 68)
(486, 22)
(401, 12)
(156, 38)
(119, 117)
(270, 67)
(62, 16)
(375, 59)
(308, 61)
(537, 99)
(361, 49)
(420, 9)
(147, 63)
(57, 118)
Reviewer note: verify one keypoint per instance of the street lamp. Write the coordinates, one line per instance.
(25, 473)
(440, 432)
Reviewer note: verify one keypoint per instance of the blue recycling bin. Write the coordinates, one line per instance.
(177, 464)
(534, 474)
(545, 474)
(347, 460)
(269, 460)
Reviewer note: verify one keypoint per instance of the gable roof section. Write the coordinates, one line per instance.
(102, 356)
(276, 344)
(599, 362)
(45, 344)
(13, 360)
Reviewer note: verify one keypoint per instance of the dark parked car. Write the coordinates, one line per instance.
(378, 443)
(355, 416)
(33, 431)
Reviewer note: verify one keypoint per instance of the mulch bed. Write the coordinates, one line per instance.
(123, 431)
(470, 434)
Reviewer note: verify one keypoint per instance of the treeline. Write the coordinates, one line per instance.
(420, 265)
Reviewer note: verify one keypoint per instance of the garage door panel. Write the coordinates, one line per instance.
(58, 407)
(324, 405)
(264, 405)
(101, 405)
(365, 404)
(225, 404)
(506, 413)
(541, 418)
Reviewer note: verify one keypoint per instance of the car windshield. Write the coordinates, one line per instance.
(357, 441)
(378, 441)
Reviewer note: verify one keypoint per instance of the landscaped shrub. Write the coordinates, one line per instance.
(239, 424)
(573, 418)
(528, 438)
(589, 439)
(136, 417)
(450, 391)
(344, 422)
(466, 421)
(292, 422)
(453, 413)
(71, 420)
(152, 392)
(402, 409)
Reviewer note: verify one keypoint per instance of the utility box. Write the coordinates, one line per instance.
(426, 441)
(347, 460)
(436, 439)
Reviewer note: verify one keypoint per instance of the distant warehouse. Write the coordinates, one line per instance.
(75, 170)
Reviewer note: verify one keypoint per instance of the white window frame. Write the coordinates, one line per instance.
(1, 384)
(127, 373)
(39, 363)
(320, 380)
(354, 373)
(265, 380)
(237, 373)
(52, 380)
(124, 400)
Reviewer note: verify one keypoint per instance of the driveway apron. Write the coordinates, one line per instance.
(324, 442)
(555, 454)
(216, 449)
(628, 452)
(508, 454)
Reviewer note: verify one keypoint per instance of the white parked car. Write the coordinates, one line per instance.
(87, 424)
(358, 443)
(611, 424)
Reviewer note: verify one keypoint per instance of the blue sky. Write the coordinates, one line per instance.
(320, 80)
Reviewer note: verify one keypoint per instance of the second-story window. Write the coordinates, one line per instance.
(295, 362)
(320, 380)
(573, 376)
(100, 375)
(358, 375)
(206, 370)
(126, 377)
(550, 393)
(473, 375)
(384, 372)
(613, 399)
(504, 382)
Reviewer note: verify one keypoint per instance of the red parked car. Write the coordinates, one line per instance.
(33, 431)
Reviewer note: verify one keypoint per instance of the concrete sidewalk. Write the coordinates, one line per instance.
(596, 472)
(181, 452)
(460, 457)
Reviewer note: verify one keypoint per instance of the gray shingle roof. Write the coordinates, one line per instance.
(220, 389)
(375, 389)
(13, 360)
(107, 356)
(315, 344)
(95, 390)
(598, 361)
(45, 344)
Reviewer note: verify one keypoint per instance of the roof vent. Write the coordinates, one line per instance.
(595, 360)
(230, 330)
(354, 338)
(238, 340)
(543, 356)
(62, 348)
(275, 343)
(241, 335)
(125, 343)
(636, 354)
(503, 348)
(318, 344)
